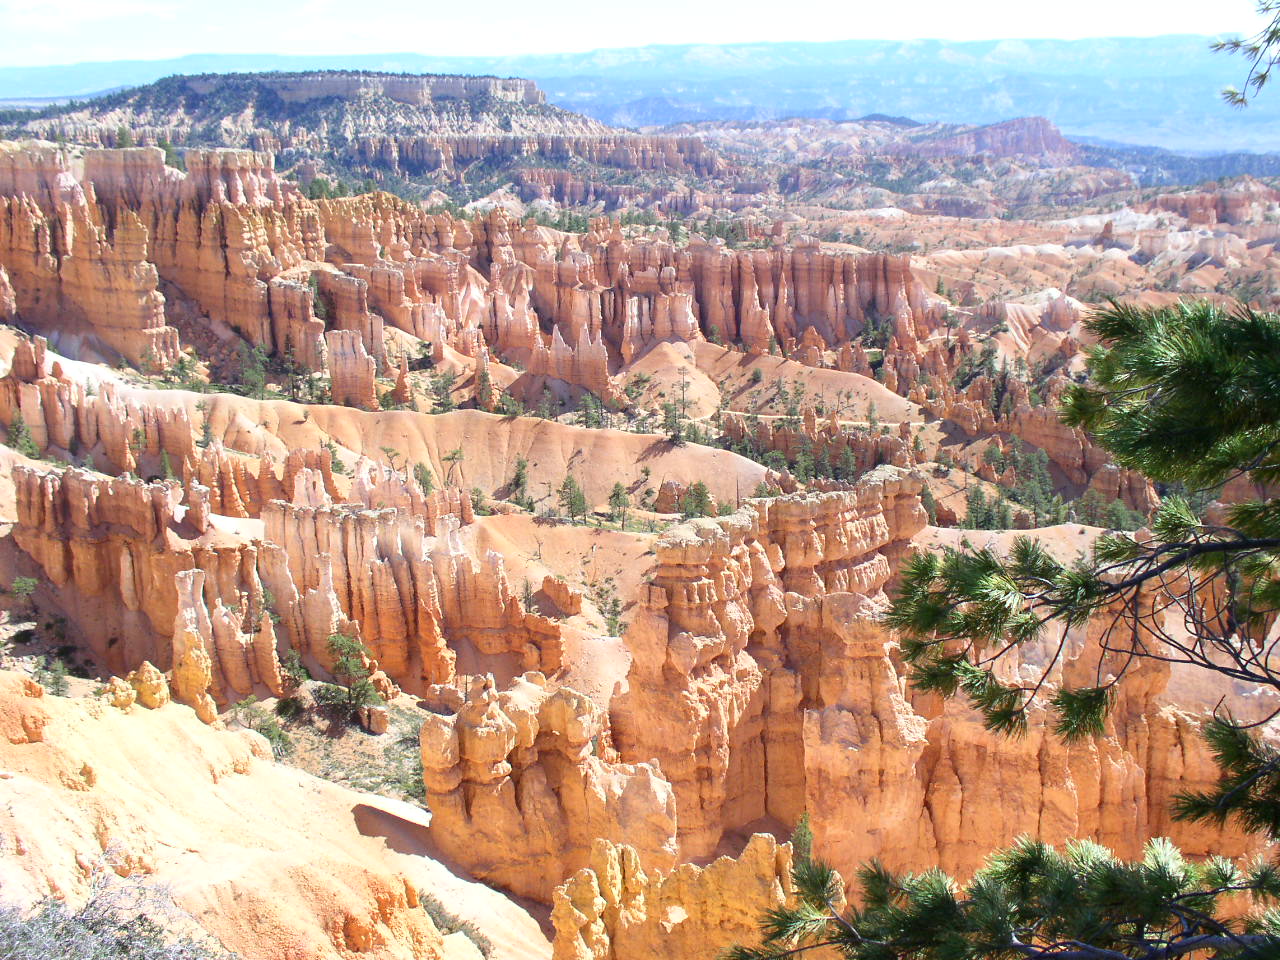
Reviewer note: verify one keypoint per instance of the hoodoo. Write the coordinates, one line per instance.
(437, 523)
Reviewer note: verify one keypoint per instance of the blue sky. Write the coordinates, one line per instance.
(36, 32)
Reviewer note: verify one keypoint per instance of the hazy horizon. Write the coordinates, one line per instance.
(671, 44)
(68, 32)
(1159, 89)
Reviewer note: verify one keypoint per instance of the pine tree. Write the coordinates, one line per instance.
(453, 458)
(572, 500)
(929, 503)
(253, 370)
(697, 501)
(1028, 900)
(1185, 395)
(618, 503)
(426, 482)
(520, 480)
(442, 390)
(672, 425)
(20, 437)
(591, 413)
(847, 466)
(547, 408)
(352, 676)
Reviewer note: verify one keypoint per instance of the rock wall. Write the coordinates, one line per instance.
(1032, 137)
(416, 155)
(234, 247)
(73, 273)
(403, 88)
(724, 729)
(615, 909)
(148, 572)
(764, 685)
(519, 790)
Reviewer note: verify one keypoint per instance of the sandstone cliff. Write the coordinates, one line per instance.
(765, 687)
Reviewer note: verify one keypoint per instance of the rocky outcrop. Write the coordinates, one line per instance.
(765, 686)
(232, 244)
(419, 154)
(1244, 201)
(144, 583)
(87, 258)
(352, 371)
(520, 790)
(617, 909)
(91, 422)
(72, 273)
(938, 775)
(837, 450)
(149, 573)
(697, 697)
(402, 88)
(385, 123)
(1033, 137)
(1003, 405)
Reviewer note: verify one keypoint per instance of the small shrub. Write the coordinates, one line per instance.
(802, 840)
(250, 715)
(119, 920)
(448, 922)
(293, 671)
(20, 437)
(52, 675)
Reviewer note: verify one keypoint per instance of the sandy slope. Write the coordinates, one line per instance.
(735, 370)
(491, 445)
(271, 860)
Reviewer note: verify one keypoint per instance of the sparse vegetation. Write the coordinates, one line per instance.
(121, 920)
(20, 438)
(352, 688)
(426, 482)
(448, 922)
(51, 673)
(22, 589)
(253, 716)
(697, 501)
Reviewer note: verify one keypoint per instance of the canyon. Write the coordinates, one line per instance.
(602, 521)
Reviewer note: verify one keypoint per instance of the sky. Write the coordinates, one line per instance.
(43, 32)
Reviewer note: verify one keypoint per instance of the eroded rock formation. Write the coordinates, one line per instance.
(613, 909)
(765, 687)
(520, 791)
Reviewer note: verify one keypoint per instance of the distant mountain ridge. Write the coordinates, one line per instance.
(319, 109)
(1158, 91)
